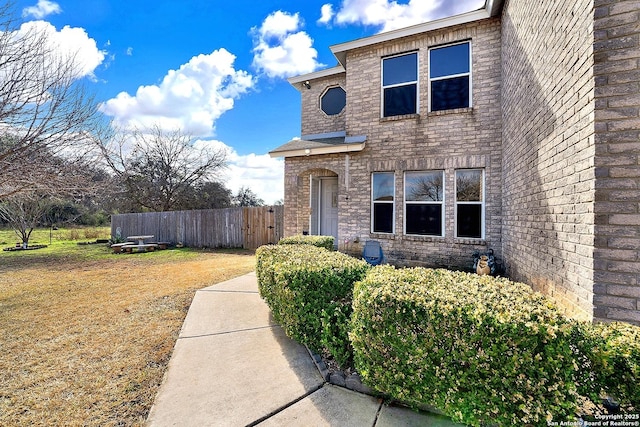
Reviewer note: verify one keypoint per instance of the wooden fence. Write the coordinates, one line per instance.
(247, 227)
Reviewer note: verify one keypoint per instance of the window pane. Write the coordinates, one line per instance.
(383, 186)
(424, 219)
(469, 221)
(450, 93)
(400, 69)
(333, 101)
(423, 186)
(400, 100)
(383, 217)
(469, 186)
(449, 60)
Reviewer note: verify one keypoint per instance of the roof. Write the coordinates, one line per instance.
(311, 145)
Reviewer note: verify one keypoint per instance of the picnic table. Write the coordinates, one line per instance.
(140, 239)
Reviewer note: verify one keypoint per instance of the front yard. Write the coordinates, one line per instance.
(87, 334)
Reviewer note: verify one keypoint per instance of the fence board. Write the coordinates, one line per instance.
(248, 227)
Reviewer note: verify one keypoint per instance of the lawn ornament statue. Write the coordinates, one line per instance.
(484, 264)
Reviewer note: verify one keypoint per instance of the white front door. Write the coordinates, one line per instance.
(329, 208)
(324, 207)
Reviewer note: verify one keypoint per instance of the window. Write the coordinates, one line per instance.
(382, 200)
(470, 203)
(424, 194)
(333, 100)
(400, 85)
(450, 77)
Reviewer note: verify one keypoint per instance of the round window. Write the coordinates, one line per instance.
(332, 102)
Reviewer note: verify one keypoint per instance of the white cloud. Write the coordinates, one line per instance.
(41, 9)
(326, 14)
(259, 172)
(191, 98)
(281, 49)
(390, 15)
(129, 51)
(69, 42)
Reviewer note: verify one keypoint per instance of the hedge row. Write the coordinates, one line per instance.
(326, 242)
(302, 284)
(485, 350)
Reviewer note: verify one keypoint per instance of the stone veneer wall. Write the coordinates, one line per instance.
(549, 148)
(465, 138)
(315, 121)
(617, 121)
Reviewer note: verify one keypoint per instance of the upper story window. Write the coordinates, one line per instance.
(382, 200)
(470, 203)
(400, 85)
(333, 101)
(424, 203)
(450, 77)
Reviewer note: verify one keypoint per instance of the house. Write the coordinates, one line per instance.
(513, 128)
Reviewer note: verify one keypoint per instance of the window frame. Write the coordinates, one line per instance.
(392, 202)
(325, 92)
(468, 74)
(481, 203)
(407, 83)
(426, 202)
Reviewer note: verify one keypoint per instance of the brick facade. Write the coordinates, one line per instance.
(548, 142)
(554, 124)
(457, 139)
(617, 161)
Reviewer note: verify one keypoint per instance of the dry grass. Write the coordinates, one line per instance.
(86, 335)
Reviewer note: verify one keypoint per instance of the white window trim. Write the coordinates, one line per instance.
(416, 82)
(393, 203)
(415, 202)
(481, 203)
(470, 73)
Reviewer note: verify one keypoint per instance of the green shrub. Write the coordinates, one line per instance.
(336, 319)
(299, 282)
(608, 359)
(326, 242)
(483, 350)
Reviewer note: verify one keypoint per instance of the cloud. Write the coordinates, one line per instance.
(129, 51)
(326, 14)
(390, 15)
(281, 49)
(69, 42)
(259, 172)
(191, 98)
(42, 9)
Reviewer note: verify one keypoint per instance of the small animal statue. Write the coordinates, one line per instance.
(484, 264)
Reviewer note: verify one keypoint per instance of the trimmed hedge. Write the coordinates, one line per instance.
(483, 350)
(608, 359)
(300, 282)
(326, 242)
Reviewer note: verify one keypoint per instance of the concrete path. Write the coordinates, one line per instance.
(233, 366)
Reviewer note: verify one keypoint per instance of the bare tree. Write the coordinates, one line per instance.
(45, 111)
(23, 212)
(160, 168)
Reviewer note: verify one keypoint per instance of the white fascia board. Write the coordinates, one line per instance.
(331, 149)
(340, 50)
(327, 72)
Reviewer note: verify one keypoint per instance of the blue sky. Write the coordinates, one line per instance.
(217, 69)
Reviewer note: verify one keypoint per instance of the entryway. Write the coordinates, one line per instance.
(324, 206)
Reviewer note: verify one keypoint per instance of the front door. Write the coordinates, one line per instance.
(324, 207)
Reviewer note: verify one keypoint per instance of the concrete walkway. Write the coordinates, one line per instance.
(233, 366)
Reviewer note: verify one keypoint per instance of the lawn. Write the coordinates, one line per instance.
(86, 334)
